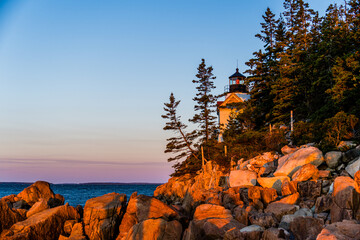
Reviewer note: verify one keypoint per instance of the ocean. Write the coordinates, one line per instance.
(78, 194)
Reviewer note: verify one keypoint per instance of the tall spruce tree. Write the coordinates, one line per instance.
(205, 102)
(346, 89)
(291, 88)
(263, 70)
(180, 145)
(327, 44)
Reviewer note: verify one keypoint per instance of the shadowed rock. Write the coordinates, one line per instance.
(333, 158)
(345, 230)
(155, 229)
(306, 228)
(45, 225)
(77, 233)
(280, 209)
(8, 216)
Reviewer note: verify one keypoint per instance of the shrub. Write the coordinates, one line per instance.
(305, 133)
(337, 128)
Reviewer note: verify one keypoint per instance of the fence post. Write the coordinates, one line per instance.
(291, 121)
(202, 155)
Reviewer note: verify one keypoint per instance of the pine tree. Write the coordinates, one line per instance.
(263, 70)
(327, 44)
(291, 89)
(205, 102)
(181, 144)
(345, 90)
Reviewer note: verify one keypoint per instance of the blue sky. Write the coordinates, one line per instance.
(82, 83)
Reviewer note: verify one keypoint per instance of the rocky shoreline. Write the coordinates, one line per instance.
(299, 194)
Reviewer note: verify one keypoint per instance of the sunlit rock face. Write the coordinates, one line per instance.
(346, 199)
(211, 222)
(102, 216)
(152, 229)
(33, 193)
(273, 182)
(310, 200)
(45, 225)
(141, 208)
(289, 164)
(242, 178)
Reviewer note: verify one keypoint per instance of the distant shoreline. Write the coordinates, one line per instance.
(91, 183)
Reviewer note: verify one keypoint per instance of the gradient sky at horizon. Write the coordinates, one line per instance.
(82, 83)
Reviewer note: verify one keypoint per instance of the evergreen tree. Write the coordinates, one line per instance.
(327, 45)
(291, 89)
(205, 102)
(346, 68)
(263, 70)
(181, 144)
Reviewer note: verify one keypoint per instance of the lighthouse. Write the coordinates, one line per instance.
(236, 92)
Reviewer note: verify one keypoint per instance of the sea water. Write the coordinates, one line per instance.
(78, 194)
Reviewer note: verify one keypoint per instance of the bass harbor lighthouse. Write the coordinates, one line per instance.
(236, 92)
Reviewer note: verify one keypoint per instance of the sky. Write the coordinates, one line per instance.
(82, 83)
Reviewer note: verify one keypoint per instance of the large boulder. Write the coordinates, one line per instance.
(239, 178)
(290, 199)
(273, 182)
(8, 216)
(351, 154)
(102, 215)
(289, 164)
(353, 167)
(45, 225)
(205, 211)
(306, 228)
(39, 206)
(259, 161)
(346, 199)
(309, 189)
(265, 220)
(288, 187)
(275, 234)
(175, 189)
(286, 220)
(155, 229)
(141, 208)
(35, 192)
(211, 222)
(251, 232)
(345, 230)
(306, 172)
(280, 209)
(333, 158)
(323, 203)
(241, 215)
(77, 233)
